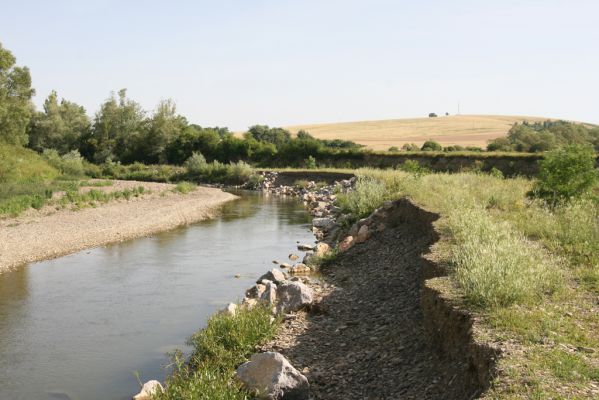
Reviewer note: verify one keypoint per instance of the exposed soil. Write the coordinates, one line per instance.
(366, 338)
(52, 232)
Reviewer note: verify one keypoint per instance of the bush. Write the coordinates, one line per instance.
(310, 162)
(566, 173)
(196, 164)
(431, 145)
(70, 164)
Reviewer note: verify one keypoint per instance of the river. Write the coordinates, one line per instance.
(80, 327)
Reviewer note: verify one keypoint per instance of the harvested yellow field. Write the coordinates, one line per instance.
(463, 130)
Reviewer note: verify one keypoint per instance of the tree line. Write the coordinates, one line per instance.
(122, 131)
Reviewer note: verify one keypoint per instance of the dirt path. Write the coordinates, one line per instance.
(365, 340)
(44, 234)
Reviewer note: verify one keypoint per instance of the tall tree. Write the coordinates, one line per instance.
(163, 128)
(117, 132)
(15, 99)
(60, 126)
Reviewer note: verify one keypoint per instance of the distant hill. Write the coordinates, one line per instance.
(464, 130)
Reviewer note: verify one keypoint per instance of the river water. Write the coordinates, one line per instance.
(81, 326)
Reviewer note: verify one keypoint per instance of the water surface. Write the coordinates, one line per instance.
(78, 327)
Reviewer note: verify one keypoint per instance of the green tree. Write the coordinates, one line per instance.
(15, 99)
(566, 173)
(431, 145)
(163, 128)
(59, 126)
(117, 132)
(276, 136)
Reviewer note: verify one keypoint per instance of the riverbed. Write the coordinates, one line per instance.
(81, 326)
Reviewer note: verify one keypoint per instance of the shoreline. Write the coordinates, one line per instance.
(43, 235)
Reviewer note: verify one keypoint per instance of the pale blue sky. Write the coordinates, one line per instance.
(238, 63)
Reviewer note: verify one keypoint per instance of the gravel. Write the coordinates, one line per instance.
(365, 338)
(49, 233)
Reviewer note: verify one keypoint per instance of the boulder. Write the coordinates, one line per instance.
(273, 275)
(270, 293)
(255, 291)
(326, 224)
(293, 257)
(307, 258)
(321, 249)
(148, 389)
(294, 296)
(249, 303)
(230, 309)
(363, 234)
(299, 269)
(353, 231)
(346, 243)
(305, 247)
(272, 377)
(285, 265)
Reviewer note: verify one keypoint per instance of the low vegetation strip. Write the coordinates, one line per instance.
(530, 271)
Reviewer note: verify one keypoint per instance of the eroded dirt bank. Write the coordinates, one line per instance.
(41, 235)
(367, 337)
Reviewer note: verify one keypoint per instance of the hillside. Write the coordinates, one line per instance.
(464, 130)
(21, 165)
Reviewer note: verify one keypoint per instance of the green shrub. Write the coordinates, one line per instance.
(431, 145)
(70, 164)
(184, 187)
(566, 173)
(310, 162)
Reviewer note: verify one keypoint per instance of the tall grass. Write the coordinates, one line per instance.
(495, 265)
(493, 261)
(226, 342)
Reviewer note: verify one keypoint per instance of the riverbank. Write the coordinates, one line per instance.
(50, 232)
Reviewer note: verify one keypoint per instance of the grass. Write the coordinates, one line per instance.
(464, 130)
(530, 272)
(218, 349)
(184, 187)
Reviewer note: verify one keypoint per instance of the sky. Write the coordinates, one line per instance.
(237, 63)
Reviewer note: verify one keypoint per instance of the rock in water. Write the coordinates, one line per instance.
(305, 247)
(149, 388)
(273, 275)
(299, 269)
(321, 249)
(293, 257)
(273, 377)
(293, 296)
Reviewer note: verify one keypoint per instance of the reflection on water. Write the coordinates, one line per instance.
(79, 326)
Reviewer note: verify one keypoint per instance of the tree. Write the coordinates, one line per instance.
(59, 126)
(163, 128)
(15, 99)
(276, 136)
(117, 132)
(410, 147)
(431, 145)
(566, 173)
(432, 115)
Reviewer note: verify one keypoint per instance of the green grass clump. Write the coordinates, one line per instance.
(225, 343)
(184, 187)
